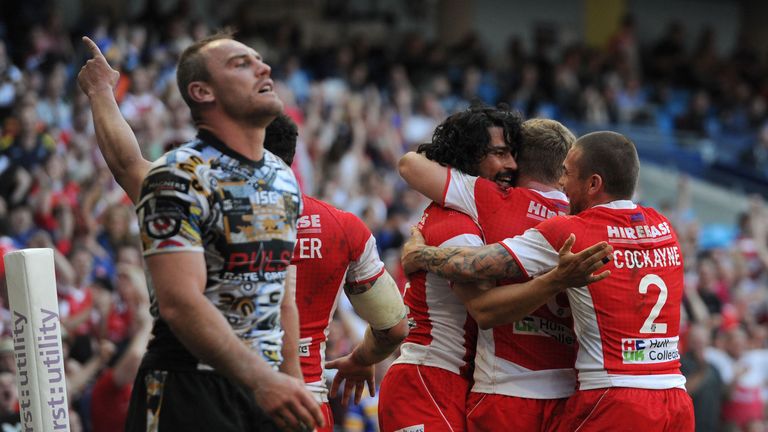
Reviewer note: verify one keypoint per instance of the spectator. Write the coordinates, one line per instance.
(744, 372)
(704, 383)
(29, 148)
(10, 79)
(694, 120)
(112, 390)
(9, 402)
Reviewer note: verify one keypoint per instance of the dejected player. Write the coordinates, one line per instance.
(333, 248)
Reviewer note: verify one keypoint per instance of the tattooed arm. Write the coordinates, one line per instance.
(460, 263)
(492, 306)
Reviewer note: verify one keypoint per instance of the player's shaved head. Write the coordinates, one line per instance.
(613, 157)
(192, 67)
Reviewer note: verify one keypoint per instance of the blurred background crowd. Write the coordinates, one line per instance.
(361, 99)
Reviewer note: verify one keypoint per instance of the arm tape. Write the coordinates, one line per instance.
(382, 305)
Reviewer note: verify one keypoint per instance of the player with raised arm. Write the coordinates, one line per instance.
(218, 226)
(436, 357)
(525, 367)
(333, 248)
(626, 325)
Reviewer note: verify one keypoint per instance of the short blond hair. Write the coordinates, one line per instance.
(545, 144)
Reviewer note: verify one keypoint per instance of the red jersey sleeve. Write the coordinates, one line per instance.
(445, 227)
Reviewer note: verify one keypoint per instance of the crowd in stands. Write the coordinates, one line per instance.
(360, 104)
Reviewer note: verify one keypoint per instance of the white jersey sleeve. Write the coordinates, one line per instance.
(368, 266)
(533, 252)
(459, 193)
(463, 240)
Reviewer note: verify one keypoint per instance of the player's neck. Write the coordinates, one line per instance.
(245, 140)
(527, 182)
(604, 198)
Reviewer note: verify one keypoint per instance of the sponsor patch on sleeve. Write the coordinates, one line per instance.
(162, 217)
(164, 181)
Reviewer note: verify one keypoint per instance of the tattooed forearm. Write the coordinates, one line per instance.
(385, 344)
(471, 263)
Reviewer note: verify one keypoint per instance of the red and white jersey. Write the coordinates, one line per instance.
(332, 247)
(627, 325)
(532, 358)
(442, 332)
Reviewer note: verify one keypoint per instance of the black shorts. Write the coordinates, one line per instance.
(168, 401)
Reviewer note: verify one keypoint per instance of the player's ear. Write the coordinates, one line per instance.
(200, 92)
(595, 183)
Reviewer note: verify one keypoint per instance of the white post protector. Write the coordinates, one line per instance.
(37, 340)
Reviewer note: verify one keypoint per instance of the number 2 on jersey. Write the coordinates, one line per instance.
(649, 326)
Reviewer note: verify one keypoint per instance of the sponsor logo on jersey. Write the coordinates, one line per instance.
(236, 205)
(648, 351)
(538, 326)
(639, 233)
(263, 197)
(162, 217)
(414, 428)
(304, 344)
(539, 211)
(165, 181)
(308, 221)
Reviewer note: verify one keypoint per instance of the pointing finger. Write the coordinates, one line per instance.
(92, 47)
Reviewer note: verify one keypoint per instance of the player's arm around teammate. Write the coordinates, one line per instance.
(510, 303)
(466, 264)
(425, 176)
(380, 304)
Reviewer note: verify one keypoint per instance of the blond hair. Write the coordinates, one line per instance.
(545, 144)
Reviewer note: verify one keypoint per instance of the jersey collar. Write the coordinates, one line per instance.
(619, 205)
(209, 138)
(553, 194)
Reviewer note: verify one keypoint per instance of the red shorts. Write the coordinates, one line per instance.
(487, 412)
(628, 409)
(325, 407)
(422, 398)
